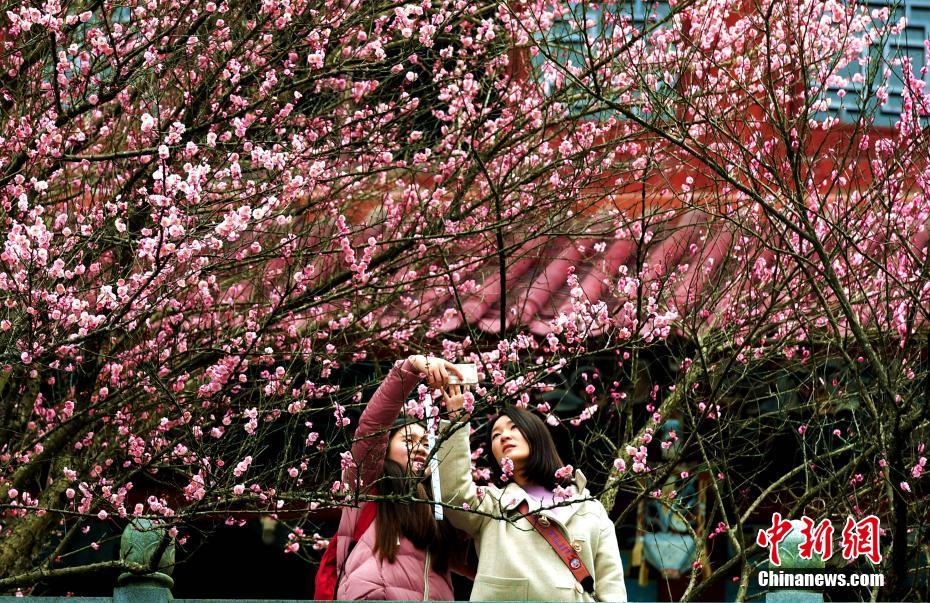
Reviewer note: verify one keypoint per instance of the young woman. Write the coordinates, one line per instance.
(515, 561)
(404, 554)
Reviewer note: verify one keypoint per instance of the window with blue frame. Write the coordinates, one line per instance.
(859, 98)
(575, 40)
(118, 14)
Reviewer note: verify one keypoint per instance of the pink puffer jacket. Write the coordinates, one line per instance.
(365, 575)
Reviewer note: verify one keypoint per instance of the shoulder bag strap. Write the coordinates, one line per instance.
(561, 546)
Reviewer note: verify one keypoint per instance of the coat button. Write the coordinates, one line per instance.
(577, 546)
(544, 521)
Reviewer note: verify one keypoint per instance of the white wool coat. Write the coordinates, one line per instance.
(514, 561)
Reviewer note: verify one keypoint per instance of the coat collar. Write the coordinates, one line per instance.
(512, 495)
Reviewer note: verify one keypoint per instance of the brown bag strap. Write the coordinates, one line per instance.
(561, 546)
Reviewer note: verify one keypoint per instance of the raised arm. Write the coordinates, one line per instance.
(371, 435)
(458, 488)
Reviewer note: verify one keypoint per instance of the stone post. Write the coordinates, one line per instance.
(141, 541)
(791, 560)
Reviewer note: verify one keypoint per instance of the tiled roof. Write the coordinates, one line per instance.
(537, 276)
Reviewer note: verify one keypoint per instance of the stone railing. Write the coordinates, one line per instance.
(149, 551)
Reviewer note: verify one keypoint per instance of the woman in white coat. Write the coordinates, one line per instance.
(515, 561)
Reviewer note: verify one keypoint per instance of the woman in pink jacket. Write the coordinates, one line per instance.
(404, 554)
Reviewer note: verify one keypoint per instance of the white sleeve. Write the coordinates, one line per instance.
(470, 509)
(608, 568)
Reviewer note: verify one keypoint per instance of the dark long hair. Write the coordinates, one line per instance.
(544, 459)
(411, 516)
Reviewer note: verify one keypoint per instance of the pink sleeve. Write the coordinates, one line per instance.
(371, 437)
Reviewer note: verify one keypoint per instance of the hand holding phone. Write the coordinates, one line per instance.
(469, 375)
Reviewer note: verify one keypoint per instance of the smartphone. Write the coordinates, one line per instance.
(469, 375)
